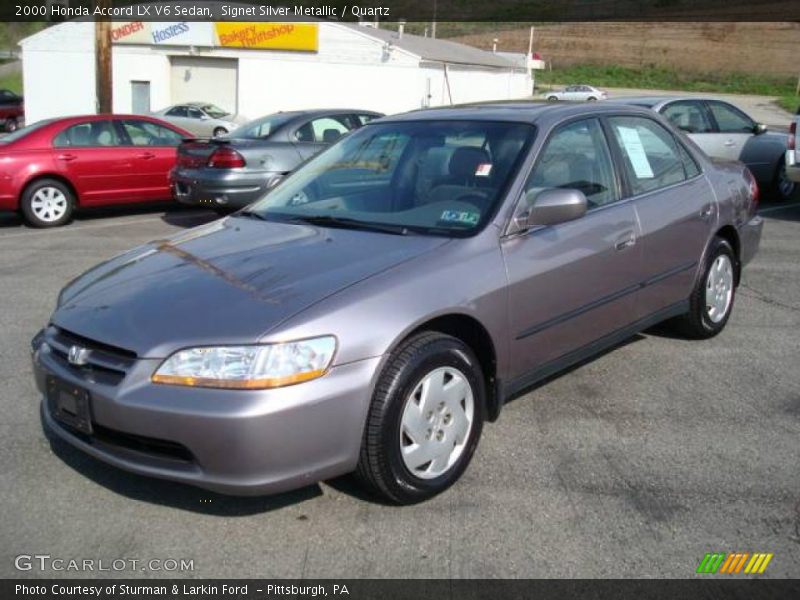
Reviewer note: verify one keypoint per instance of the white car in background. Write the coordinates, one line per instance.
(201, 118)
(576, 93)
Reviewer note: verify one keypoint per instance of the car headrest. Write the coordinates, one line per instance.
(465, 161)
(330, 135)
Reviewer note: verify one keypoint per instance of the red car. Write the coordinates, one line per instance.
(53, 166)
(12, 110)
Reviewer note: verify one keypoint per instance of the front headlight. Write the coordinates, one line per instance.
(248, 367)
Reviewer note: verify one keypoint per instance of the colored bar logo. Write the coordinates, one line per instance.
(734, 563)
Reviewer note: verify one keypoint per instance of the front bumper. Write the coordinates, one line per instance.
(229, 441)
(793, 165)
(219, 188)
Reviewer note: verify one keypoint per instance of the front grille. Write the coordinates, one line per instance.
(104, 363)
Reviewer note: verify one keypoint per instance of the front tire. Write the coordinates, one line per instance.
(424, 421)
(591, 99)
(11, 125)
(47, 203)
(220, 131)
(552, 99)
(783, 187)
(711, 301)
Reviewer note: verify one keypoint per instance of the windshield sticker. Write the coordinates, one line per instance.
(462, 217)
(483, 170)
(635, 151)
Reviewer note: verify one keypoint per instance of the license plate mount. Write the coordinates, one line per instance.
(70, 404)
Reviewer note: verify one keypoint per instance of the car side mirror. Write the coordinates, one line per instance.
(553, 206)
(759, 128)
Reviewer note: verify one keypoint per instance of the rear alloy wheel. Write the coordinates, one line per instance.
(47, 203)
(712, 299)
(782, 185)
(425, 419)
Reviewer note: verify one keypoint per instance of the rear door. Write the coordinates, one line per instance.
(733, 129)
(94, 158)
(572, 283)
(154, 153)
(674, 204)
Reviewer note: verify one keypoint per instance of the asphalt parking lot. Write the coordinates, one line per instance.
(633, 465)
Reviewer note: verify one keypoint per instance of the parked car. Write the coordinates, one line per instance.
(370, 312)
(231, 172)
(576, 93)
(792, 160)
(724, 131)
(54, 166)
(12, 110)
(201, 118)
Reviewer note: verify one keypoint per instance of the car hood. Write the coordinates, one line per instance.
(228, 282)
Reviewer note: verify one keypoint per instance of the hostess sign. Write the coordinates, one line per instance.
(265, 36)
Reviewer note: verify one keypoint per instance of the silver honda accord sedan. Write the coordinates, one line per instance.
(373, 310)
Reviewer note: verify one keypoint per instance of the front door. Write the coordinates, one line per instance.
(92, 156)
(572, 283)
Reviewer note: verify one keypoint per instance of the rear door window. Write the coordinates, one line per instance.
(145, 133)
(651, 159)
(688, 116)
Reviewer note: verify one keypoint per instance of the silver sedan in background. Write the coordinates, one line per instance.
(576, 93)
(201, 118)
(724, 131)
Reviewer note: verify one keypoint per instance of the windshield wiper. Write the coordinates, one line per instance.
(347, 223)
(250, 214)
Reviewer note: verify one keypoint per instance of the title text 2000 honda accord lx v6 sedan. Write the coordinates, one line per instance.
(370, 312)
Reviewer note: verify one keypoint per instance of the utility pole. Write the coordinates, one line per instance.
(433, 24)
(102, 61)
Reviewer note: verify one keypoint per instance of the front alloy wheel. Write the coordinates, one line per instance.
(47, 203)
(425, 419)
(783, 186)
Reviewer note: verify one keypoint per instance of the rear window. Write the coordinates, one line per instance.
(262, 128)
(24, 131)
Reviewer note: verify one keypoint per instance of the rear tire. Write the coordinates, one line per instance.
(424, 421)
(47, 203)
(712, 299)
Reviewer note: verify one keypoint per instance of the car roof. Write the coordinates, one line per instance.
(652, 101)
(520, 112)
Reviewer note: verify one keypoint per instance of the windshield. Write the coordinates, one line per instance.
(261, 128)
(23, 131)
(215, 112)
(427, 176)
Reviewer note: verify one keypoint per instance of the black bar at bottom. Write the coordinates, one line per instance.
(707, 587)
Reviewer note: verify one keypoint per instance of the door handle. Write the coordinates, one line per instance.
(146, 155)
(729, 143)
(626, 242)
(67, 157)
(707, 212)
